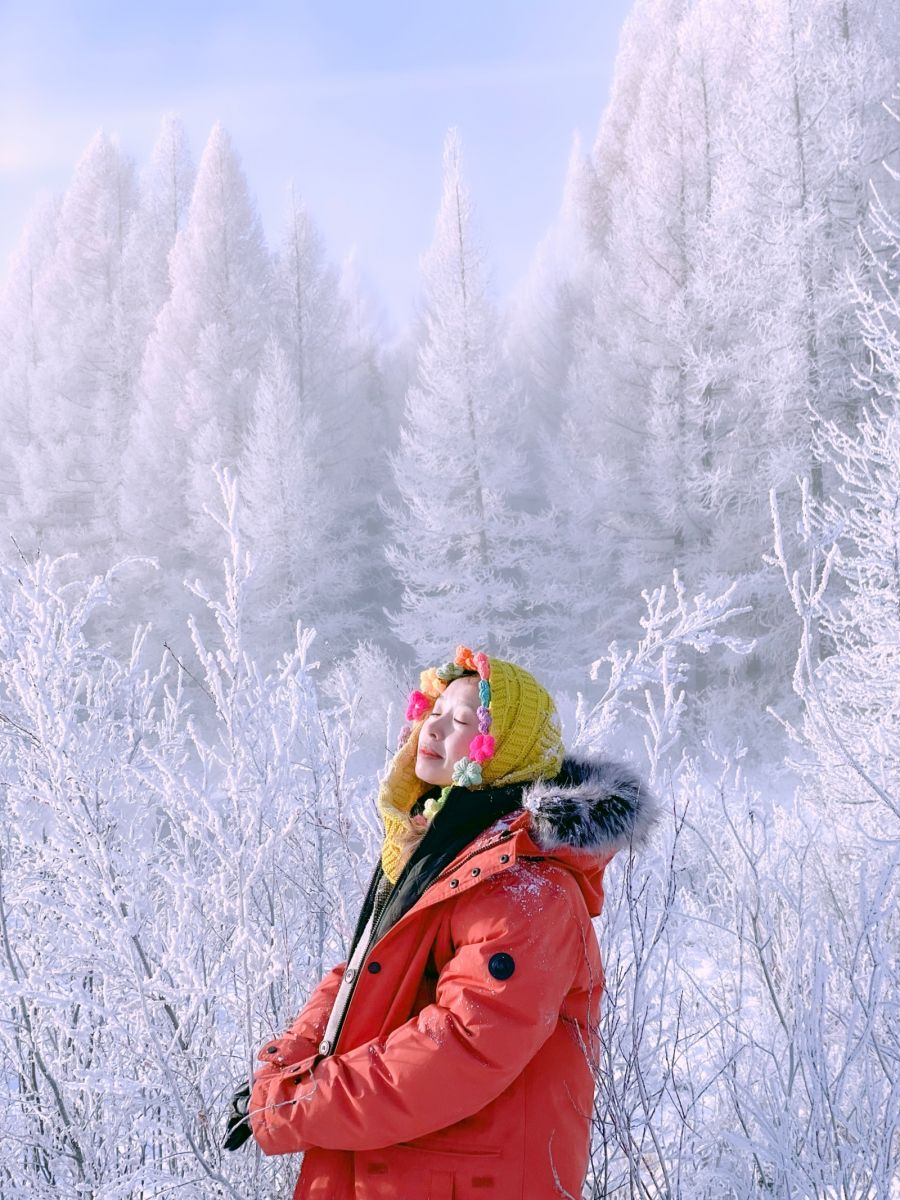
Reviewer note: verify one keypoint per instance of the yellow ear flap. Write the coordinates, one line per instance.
(399, 791)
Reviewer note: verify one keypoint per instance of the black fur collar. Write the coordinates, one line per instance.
(592, 804)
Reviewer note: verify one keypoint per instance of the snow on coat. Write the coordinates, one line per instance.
(464, 1066)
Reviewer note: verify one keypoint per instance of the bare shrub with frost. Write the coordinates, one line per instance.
(175, 875)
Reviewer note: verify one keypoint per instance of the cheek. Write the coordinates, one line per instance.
(463, 739)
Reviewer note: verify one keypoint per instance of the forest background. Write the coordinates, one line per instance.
(238, 514)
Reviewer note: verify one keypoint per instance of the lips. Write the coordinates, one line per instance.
(427, 753)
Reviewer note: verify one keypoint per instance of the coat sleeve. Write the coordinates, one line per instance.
(459, 1053)
(302, 1038)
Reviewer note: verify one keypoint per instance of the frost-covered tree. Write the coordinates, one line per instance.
(198, 379)
(718, 211)
(632, 466)
(78, 396)
(807, 134)
(164, 194)
(289, 511)
(334, 394)
(20, 350)
(851, 701)
(555, 295)
(458, 467)
(378, 411)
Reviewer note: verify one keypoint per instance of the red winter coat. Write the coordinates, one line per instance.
(464, 1066)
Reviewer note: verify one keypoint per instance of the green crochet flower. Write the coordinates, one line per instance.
(449, 671)
(466, 773)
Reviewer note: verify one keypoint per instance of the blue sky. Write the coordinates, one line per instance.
(350, 100)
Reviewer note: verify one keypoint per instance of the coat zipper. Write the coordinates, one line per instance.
(378, 909)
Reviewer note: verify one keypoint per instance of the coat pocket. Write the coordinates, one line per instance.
(441, 1186)
(414, 1171)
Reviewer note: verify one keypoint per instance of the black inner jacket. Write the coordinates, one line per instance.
(464, 816)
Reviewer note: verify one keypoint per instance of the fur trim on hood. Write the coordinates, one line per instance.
(592, 804)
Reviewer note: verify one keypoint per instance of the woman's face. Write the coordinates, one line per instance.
(447, 731)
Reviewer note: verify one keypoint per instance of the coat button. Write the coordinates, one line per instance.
(501, 966)
(454, 883)
(350, 974)
(476, 870)
(374, 967)
(504, 858)
(271, 1049)
(324, 1046)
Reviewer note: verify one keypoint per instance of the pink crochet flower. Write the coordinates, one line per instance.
(481, 747)
(482, 665)
(418, 705)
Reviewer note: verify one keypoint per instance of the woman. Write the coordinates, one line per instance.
(450, 1057)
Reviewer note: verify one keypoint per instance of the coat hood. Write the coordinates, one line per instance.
(594, 804)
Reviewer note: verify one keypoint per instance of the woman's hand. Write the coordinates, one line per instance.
(277, 1053)
(238, 1129)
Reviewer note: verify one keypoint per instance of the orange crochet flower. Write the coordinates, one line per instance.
(465, 658)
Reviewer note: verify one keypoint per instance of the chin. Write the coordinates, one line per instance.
(431, 770)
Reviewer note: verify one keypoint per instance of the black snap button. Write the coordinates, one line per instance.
(374, 967)
(501, 966)
(454, 883)
(476, 870)
(504, 858)
(271, 1050)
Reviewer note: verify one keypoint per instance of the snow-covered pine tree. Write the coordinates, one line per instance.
(547, 308)
(572, 589)
(635, 462)
(197, 382)
(329, 381)
(691, 380)
(458, 468)
(378, 410)
(164, 194)
(288, 514)
(20, 350)
(78, 399)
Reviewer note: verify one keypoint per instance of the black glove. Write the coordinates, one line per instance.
(238, 1129)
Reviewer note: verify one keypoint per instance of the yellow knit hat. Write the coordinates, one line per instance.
(519, 740)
